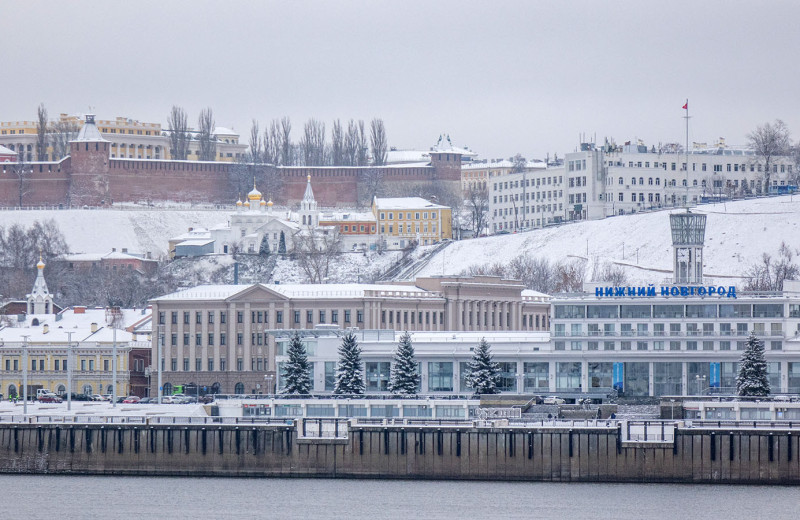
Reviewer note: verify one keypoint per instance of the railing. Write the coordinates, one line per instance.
(139, 419)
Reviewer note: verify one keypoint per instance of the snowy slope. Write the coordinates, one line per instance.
(99, 230)
(737, 234)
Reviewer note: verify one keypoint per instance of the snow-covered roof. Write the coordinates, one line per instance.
(501, 164)
(406, 203)
(221, 130)
(408, 156)
(97, 257)
(7, 151)
(315, 291)
(195, 233)
(445, 145)
(89, 131)
(350, 216)
(196, 242)
(80, 324)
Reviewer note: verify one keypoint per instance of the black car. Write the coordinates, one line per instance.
(76, 397)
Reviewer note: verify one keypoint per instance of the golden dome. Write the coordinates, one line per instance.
(262, 203)
(255, 194)
(238, 202)
(247, 203)
(269, 203)
(40, 265)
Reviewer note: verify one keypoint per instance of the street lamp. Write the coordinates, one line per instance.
(700, 382)
(69, 369)
(159, 360)
(268, 379)
(672, 409)
(25, 374)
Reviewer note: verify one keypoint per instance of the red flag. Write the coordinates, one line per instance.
(685, 106)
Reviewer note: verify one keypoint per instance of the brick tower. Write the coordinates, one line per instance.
(89, 154)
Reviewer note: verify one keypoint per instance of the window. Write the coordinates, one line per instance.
(223, 317)
(198, 318)
(297, 316)
(186, 364)
(278, 316)
(239, 316)
(347, 316)
(185, 318)
(440, 376)
(309, 316)
(239, 364)
(360, 316)
(210, 317)
(174, 318)
(222, 340)
(334, 316)
(322, 316)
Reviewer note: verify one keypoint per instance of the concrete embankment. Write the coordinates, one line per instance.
(585, 454)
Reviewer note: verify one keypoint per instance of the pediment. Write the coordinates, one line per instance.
(257, 293)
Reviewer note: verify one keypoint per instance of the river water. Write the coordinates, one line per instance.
(89, 497)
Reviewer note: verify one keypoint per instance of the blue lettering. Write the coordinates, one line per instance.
(651, 291)
(720, 290)
(675, 291)
(684, 291)
(732, 292)
(712, 290)
(619, 291)
(598, 292)
(691, 290)
(701, 291)
(631, 291)
(665, 291)
(609, 291)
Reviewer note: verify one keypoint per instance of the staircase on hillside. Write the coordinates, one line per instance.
(407, 268)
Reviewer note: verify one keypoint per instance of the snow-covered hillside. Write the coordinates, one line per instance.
(138, 230)
(737, 234)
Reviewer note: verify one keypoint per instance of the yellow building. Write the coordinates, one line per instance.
(130, 139)
(405, 220)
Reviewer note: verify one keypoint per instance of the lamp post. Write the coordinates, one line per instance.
(158, 361)
(268, 379)
(69, 369)
(25, 374)
(114, 366)
(700, 380)
(672, 409)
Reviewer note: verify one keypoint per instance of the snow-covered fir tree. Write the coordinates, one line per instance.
(405, 374)
(350, 372)
(282, 244)
(483, 374)
(263, 249)
(752, 378)
(296, 371)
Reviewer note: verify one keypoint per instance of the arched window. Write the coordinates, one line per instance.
(60, 389)
(87, 389)
(109, 389)
(167, 389)
(12, 391)
(694, 182)
(238, 389)
(658, 181)
(216, 388)
(650, 181)
(620, 181)
(633, 180)
(35, 322)
(641, 180)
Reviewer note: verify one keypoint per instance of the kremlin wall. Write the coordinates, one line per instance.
(89, 176)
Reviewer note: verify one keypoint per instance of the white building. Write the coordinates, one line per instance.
(599, 182)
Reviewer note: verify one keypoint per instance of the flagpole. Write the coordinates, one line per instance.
(686, 107)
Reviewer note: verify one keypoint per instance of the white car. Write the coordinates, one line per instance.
(553, 400)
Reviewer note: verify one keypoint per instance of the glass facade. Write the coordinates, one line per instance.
(537, 377)
(508, 376)
(377, 374)
(637, 379)
(667, 378)
(600, 375)
(440, 376)
(568, 377)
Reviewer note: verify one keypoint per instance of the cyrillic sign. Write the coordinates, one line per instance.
(674, 290)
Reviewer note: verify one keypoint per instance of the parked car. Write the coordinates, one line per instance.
(553, 400)
(208, 398)
(106, 397)
(76, 397)
(131, 399)
(96, 397)
(49, 398)
(166, 399)
(147, 400)
(178, 398)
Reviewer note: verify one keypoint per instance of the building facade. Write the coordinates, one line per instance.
(222, 337)
(406, 220)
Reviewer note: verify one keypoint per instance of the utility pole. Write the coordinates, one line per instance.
(69, 369)
(25, 374)
(158, 361)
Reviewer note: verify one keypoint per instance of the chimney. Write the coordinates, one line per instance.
(113, 249)
(94, 328)
(79, 310)
(190, 229)
(124, 249)
(45, 328)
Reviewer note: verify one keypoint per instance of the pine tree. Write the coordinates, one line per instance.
(350, 372)
(752, 378)
(296, 371)
(282, 244)
(263, 250)
(405, 376)
(483, 374)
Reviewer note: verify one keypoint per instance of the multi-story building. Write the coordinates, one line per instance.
(406, 220)
(614, 180)
(130, 139)
(478, 174)
(222, 337)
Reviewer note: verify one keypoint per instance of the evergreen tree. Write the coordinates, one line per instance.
(296, 371)
(350, 372)
(483, 374)
(282, 244)
(263, 250)
(752, 378)
(405, 376)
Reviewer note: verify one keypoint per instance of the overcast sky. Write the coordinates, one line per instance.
(499, 77)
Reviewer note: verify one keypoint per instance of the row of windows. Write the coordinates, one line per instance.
(539, 208)
(538, 195)
(257, 317)
(735, 167)
(256, 364)
(675, 329)
(408, 215)
(58, 365)
(660, 345)
(676, 310)
(527, 183)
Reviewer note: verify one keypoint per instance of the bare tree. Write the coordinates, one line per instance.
(769, 141)
(609, 272)
(362, 151)
(312, 144)
(377, 136)
(370, 185)
(351, 144)
(63, 131)
(23, 172)
(256, 144)
(207, 141)
(178, 131)
(519, 163)
(285, 142)
(315, 251)
(272, 143)
(478, 205)
(41, 133)
(337, 144)
(769, 274)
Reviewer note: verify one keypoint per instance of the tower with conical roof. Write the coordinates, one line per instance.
(89, 152)
(309, 215)
(40, 301)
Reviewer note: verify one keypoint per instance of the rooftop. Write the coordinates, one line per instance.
(406, 203)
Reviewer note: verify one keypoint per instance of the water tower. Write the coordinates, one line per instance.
(688, 236)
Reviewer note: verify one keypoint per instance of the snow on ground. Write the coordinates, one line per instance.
(98, 409)
(737, 234)
(100, 230)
